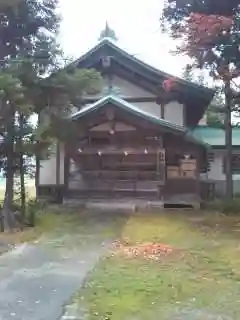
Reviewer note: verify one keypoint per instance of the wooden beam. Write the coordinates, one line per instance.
(116, 150)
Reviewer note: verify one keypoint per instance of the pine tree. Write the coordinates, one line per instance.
(28, 52)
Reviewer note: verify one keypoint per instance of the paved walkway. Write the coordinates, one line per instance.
(37, 281)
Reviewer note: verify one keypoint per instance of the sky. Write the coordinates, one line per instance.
(136, 24)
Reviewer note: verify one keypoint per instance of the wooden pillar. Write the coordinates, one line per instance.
(37, 174)
(162, 163)
(197, 157)
(58, 172)
(58, 161)
(66, 169)
(184, 115)
(162, 111)
(160, 102)
(160, 174)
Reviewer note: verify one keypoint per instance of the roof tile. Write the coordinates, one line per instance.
(216, 136)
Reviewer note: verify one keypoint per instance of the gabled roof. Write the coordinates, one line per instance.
(160, 75)
(124, 105)
(216, 136)
(117, 101)
(196, 98)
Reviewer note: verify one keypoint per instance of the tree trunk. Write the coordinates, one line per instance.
(21, 170)
(8, 215)
(23, 190)
(228, 141)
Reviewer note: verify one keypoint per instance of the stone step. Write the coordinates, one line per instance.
(130, 205)
(111, 206)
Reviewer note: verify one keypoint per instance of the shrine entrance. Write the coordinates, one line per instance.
(121, 155)
(122, 172)
(126, 165)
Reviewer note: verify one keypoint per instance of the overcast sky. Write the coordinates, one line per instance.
(135, 22)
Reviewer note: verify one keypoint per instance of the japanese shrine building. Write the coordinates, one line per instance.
(133, 143)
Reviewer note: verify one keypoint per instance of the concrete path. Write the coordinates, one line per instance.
(38, 280)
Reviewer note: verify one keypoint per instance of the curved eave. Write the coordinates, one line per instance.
(118, 102)
(124, 105)
(191, 138)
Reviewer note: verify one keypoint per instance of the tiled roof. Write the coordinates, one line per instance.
(216, 136)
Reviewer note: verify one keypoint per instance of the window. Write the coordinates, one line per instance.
(235, 164)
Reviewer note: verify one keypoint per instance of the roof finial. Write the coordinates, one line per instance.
(108, 33)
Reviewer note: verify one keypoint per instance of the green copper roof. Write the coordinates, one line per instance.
(117, 101)
(124, 105)
(216, 136)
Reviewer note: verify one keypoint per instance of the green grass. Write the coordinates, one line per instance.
(60, 222)
(200, 279)
(30, 192)
(46, 223)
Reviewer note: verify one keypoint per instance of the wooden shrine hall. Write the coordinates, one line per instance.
(130, 143)
(123, 152)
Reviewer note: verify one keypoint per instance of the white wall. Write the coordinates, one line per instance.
(216, 167)
(128, 89)
(47, 171)
(174, 112)
(216, 174)
(122, 88)
(149, 107)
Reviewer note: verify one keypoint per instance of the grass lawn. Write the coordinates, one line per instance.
(49, 221)
(200, 279)
(58, 222)
(9, 239)
(30, 191)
